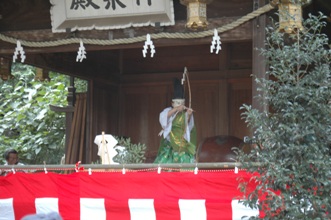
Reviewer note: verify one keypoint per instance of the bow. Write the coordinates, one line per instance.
(185, 76)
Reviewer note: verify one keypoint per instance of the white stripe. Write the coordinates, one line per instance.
(7, 209)
(92, 209)
(192, 209)
(46, 205)
(142, 209)
(239, 210)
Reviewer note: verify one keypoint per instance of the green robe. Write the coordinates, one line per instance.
(178, 149)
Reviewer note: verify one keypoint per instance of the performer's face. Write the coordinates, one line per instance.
(178, 102)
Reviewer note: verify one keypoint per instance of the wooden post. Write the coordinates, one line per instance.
(103, 148)
(259, 64)
(69, 110)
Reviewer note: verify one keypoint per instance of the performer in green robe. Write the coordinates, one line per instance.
(178, 141)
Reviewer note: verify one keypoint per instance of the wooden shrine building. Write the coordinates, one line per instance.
(127, 91)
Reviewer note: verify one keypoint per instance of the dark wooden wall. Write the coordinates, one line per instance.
(218, 89)
(127, 92)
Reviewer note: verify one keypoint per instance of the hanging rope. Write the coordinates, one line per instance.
(192, 35)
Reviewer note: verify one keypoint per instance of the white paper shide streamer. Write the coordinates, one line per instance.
(215, 43)
(81, 54)
(149, 42)
(19, 51)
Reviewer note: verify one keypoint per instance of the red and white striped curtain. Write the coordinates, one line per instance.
(132, 195)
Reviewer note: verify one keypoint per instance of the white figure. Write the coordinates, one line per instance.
(106, 150)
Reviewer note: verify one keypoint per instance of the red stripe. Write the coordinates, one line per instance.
(68, 187)
(217, 188)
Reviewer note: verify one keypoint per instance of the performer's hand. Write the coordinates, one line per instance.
(180, 108)
(189, 111)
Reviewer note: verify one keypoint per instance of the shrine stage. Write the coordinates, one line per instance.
(149, 194)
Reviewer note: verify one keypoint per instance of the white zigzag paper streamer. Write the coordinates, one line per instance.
(81, 54)
(19, 51)
(215, 43)
(148, 42)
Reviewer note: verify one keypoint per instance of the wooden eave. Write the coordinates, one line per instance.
(29, 20)
(241, 33)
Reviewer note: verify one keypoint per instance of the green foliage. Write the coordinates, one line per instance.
(26, 122)
(133, 153)
(80, 85)
(292, 139)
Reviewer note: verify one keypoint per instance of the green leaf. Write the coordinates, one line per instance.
(41, 114)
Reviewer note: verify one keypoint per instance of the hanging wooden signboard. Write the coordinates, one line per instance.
(109, 14)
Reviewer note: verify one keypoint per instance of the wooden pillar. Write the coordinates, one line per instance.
(69, 110)
(259, 64)
(89, 123)
(69, 114)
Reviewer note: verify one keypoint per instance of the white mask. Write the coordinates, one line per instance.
(178, 102)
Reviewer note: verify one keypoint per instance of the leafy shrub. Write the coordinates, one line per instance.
(26, 122)
(132, 153)
(292, 138)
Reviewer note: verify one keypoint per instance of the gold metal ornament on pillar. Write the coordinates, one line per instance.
(290, 16)
(5, 69)
(41, 74)
(196, 13)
